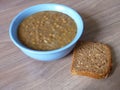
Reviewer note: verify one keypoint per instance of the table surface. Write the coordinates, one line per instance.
(19, 72)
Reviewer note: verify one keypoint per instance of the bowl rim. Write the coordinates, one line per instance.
(22, 47)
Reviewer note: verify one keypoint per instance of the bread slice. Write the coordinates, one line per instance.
(91, 59)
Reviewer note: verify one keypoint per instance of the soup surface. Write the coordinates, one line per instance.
(47, 30)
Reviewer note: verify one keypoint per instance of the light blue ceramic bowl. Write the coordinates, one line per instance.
(46, 55)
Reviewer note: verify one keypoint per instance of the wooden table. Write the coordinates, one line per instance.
(19, 72)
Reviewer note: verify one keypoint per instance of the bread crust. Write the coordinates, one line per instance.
(92, 74)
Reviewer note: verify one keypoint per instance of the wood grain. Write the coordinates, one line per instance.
(19, 72)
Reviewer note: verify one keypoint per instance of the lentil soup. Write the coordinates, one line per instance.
(47, 30)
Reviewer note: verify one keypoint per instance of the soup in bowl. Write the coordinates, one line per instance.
(46, 31)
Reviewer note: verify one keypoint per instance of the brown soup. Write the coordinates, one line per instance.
(47, 30)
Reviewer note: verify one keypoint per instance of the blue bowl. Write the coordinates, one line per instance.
(46, 55)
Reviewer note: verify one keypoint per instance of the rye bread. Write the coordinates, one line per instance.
(91, 59)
